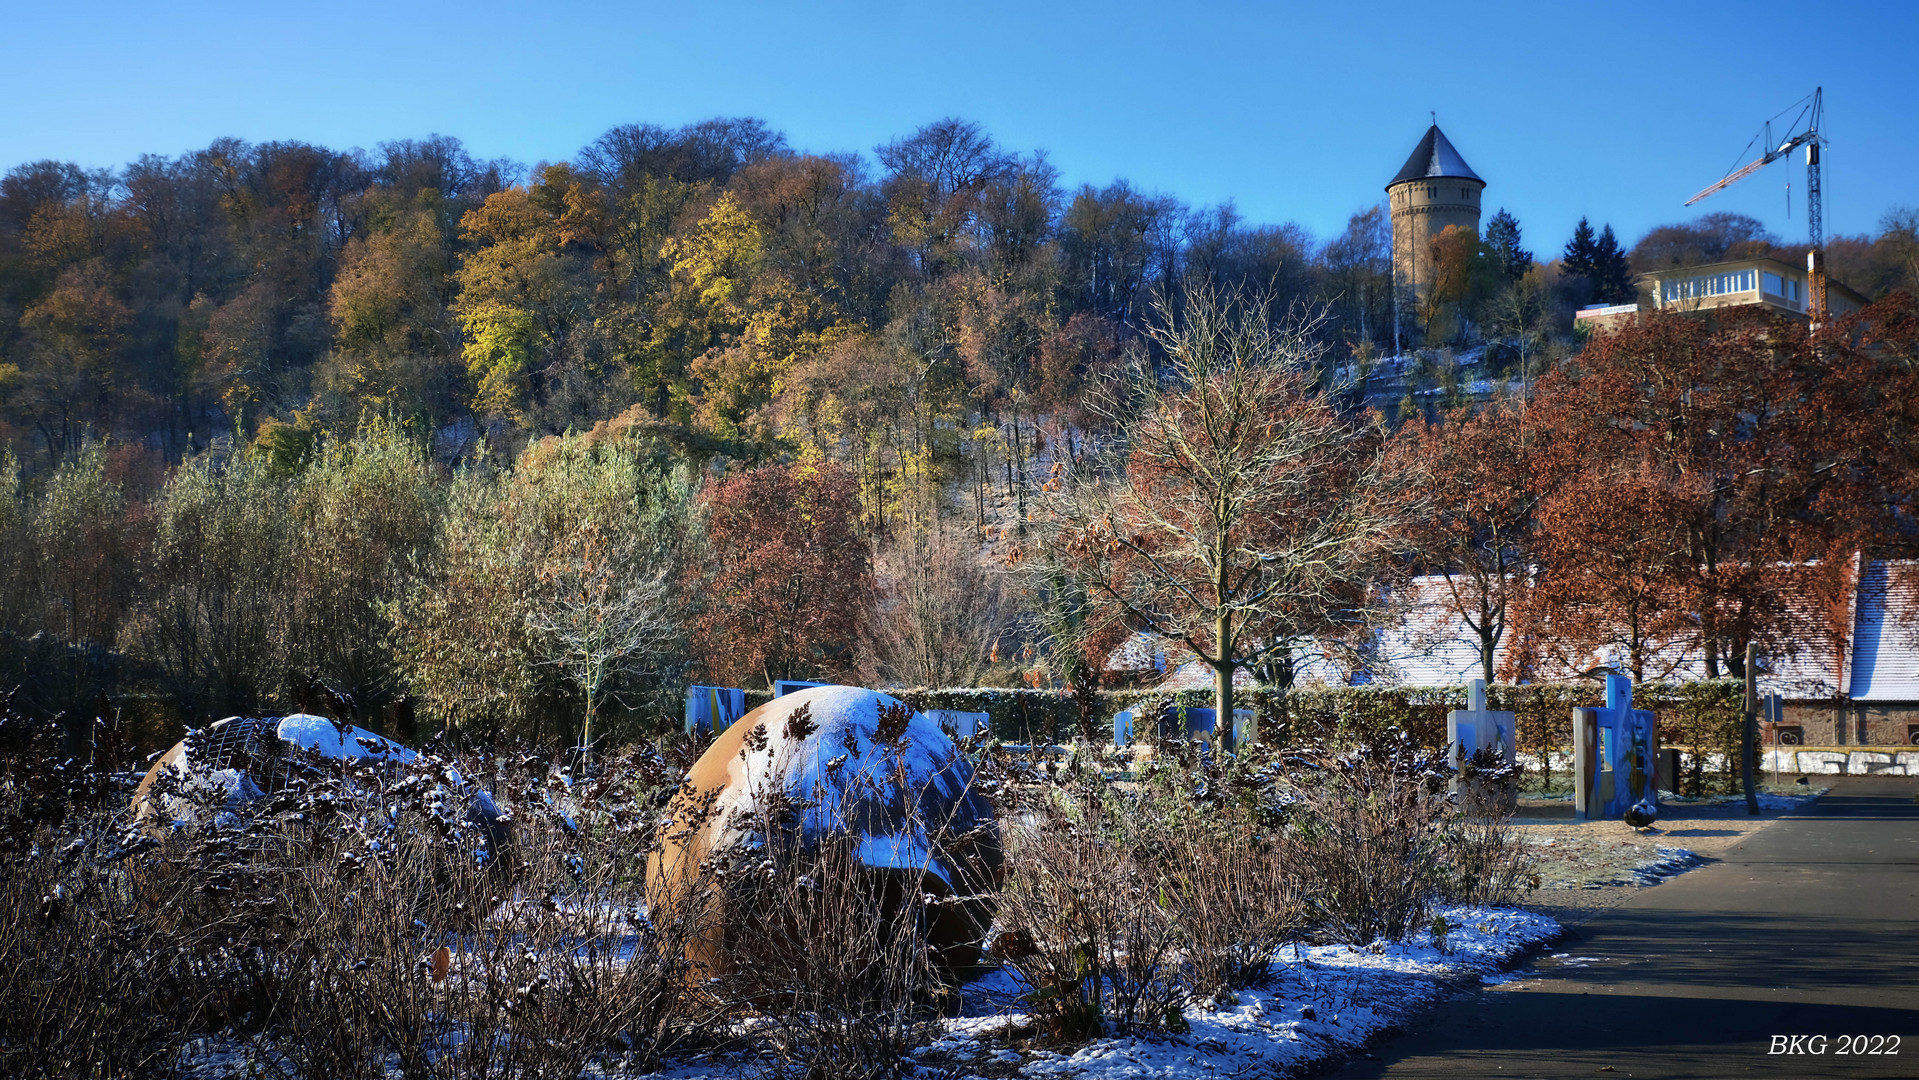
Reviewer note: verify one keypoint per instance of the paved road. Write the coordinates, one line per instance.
(1810, 927)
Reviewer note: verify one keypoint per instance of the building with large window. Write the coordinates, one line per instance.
(1770, 282)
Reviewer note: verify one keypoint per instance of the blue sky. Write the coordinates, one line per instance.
(1293, 112)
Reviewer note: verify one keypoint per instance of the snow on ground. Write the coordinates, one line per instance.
(1666, 862)
(1323, 1001)
(1607, 853)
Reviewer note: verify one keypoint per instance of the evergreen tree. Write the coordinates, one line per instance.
(1601, 261)
(1611, 274)
(1580, 251)
(1502, 240)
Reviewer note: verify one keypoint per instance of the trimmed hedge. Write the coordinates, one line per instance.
(1019, 715)
(1703, 717)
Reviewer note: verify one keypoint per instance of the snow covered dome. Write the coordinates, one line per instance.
(853, 762)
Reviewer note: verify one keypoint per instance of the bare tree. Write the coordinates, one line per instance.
(1240, 511)
(935, 612)
(599, 619)
(1519, 318)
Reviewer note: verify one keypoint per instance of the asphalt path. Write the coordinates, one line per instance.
(1809, 927)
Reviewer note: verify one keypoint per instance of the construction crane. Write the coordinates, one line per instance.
(1813, 114)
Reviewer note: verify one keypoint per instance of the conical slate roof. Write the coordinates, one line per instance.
(1435, 156)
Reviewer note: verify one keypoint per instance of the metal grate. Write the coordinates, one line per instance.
(251, 745)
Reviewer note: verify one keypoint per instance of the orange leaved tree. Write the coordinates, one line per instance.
(785, 576)
(1479, 538)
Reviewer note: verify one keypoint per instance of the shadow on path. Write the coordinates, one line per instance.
(1806, 928)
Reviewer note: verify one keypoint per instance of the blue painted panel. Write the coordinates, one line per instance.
(1185, 723)
(783, 687)
(713, 709)
(1624, 738)
(1197, 721)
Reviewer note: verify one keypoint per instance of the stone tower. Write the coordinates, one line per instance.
(1435, 189)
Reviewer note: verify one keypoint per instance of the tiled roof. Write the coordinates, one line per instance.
(1432, 646)
(1194, 675)
(1885, 656)
(1141, 652)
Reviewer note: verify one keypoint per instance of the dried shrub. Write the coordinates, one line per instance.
(90, 987)
(1086, 924)
(357, 921)
(1127, 903)
(549, 961)
(353, 922)
(1237, 899)
(842, 982)
(1369, 824)
(1487, 862)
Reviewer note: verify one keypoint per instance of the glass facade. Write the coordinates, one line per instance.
(1694, 288)
(1783, 287)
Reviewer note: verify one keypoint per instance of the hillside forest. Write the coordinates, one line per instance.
(443, 443)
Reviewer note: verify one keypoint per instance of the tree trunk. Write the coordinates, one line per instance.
(1223, 680)
(1222, 702)
(586, 737)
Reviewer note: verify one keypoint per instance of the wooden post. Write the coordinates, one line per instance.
(1748, 728)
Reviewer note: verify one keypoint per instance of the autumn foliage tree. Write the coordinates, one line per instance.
(1479, 537)
(1749, 461)
(785, 575)
(1612, 587)
(1685, 422)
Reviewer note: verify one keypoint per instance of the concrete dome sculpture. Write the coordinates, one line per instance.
(835, 761)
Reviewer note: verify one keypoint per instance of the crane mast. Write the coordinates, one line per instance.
(1814, 115)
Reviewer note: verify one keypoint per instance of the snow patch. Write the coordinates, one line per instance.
(1323, 1001)
(339, 742)
(1666, 862)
